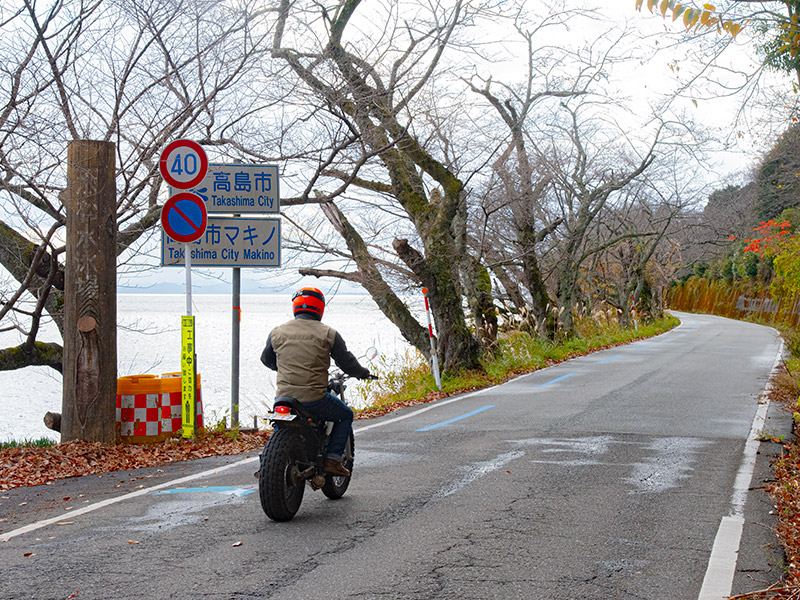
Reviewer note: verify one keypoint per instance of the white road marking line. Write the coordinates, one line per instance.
(718, 580)
(479, 469)
(4, 537)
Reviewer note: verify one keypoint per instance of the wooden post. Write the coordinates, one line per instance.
(90, 294)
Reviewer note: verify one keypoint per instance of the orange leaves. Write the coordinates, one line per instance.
(707, 17)
(35, 466)
(753, 246)
(772, 223)
(768, 244)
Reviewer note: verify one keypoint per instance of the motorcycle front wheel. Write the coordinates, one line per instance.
(279, 486)
(335, 485)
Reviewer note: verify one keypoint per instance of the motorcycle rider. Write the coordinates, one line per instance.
(300, 351)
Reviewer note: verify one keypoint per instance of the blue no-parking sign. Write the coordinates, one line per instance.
(184, 217)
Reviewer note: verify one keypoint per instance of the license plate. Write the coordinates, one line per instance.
(280, 417)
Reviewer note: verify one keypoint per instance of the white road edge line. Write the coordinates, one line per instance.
(4, 537)
(718, 580)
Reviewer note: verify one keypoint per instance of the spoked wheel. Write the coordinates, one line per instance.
(335, 485)
(279, 485)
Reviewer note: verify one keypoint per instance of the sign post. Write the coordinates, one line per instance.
(184, 218)
(243, 237)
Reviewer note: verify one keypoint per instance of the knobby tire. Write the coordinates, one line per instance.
(281, 495)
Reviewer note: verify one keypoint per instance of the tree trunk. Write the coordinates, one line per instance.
(541, 304)
(457, 347)
(481, 302)
(372, 281)
(90, 308)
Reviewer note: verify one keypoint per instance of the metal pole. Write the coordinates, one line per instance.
(236, 320)
(434, 358)
(188, 261)
(235, 329)
(189, 393)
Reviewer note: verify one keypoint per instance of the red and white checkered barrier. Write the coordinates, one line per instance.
(150, 407)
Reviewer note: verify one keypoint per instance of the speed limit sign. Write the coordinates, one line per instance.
(183, 164)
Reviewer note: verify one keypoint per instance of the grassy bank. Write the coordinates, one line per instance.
(28, 443)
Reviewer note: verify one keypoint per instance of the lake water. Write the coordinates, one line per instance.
(148, 341)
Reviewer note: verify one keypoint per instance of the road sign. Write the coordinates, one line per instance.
(184, 217)
(183, 164)
(239, 189)
(188, 376)
(229, 242)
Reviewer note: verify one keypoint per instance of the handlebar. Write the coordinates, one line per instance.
(341, 376)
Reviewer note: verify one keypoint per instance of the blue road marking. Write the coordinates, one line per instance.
(454, 419)
(609, 359)
(557, 379)
(217, 489)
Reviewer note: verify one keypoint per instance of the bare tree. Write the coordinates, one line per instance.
(369, 87)
(552, 74)
(134, 73)
(586, 172)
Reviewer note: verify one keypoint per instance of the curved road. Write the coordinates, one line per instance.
(622, 474)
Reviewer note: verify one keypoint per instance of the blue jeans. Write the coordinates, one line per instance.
(331, 408)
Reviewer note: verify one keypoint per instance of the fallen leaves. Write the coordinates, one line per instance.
(785, 492)
(35, 466)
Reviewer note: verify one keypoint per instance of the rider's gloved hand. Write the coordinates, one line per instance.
(370, 377)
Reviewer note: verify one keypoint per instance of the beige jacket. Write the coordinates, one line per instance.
(303, 351)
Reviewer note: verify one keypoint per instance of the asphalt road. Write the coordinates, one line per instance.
(624, 474)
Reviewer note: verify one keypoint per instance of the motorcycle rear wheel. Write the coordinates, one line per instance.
(279, 487)
(335, 485)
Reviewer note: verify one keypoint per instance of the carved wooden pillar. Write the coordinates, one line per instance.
(90, 294)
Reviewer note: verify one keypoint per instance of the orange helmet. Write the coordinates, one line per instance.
(309, 301)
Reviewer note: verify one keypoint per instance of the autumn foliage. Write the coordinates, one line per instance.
(770, 241)
(35, 466)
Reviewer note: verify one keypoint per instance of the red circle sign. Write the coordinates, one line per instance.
(183, 164)
(184, 217)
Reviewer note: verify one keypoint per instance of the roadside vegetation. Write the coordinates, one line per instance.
(516, 352)
(42, 442)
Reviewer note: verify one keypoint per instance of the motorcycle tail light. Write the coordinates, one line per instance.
(282, 410)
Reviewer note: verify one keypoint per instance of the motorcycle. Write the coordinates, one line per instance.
(295, 455)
